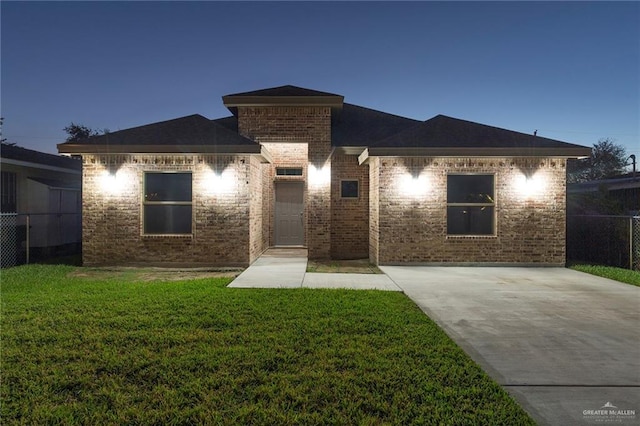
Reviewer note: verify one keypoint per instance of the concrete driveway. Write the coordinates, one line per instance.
(565, 344)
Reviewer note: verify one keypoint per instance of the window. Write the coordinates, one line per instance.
(167, 203)
(349, 189)
(8, 192)
(289, 171)
(470, 205)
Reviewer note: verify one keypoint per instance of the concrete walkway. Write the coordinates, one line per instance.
(286, 268)
(565, 344)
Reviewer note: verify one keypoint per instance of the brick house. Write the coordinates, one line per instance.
(299, 167)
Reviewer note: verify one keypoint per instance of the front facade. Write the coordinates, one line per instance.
(294, 167)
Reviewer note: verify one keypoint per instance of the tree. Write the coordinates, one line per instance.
(78, 132)
(607, 159)
(4, 141)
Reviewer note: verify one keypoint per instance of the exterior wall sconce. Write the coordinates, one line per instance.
(530, 186)
(413, 185)
(319, 176)
(113, 182)
(219, 183)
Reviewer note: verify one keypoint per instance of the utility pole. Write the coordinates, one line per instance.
(632, 157)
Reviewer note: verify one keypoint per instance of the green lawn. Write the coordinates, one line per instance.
(80, 350)
(619, 274)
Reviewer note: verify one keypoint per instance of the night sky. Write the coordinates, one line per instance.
(568, 69)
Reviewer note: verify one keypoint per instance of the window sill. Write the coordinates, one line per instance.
(472, 237)
(156, 236)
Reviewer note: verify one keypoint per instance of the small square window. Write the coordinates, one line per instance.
(349, 189)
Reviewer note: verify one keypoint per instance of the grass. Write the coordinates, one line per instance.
(358, 266)
(619, 274)
(82, 350)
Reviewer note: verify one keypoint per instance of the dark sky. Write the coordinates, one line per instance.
(568, 69)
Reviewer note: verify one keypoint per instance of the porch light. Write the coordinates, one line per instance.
(414, 185)
(113, 183)
(218, 183)
(530, 186)
(319, 176)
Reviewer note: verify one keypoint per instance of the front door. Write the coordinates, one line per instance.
(289, 214)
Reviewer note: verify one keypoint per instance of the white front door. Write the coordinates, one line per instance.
(289, 214)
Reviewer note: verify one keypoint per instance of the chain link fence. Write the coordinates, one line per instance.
(604, 240)
(28, 238)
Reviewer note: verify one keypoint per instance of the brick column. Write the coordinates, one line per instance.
(319, 189)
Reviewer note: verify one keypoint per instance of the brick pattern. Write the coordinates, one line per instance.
(259, 213)
(319, 193)
(112, 216)
(412, 228)
(233, 221)
(284, 123)
(349, 216)
(374, 210)
(286, 131)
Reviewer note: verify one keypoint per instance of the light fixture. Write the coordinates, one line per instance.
(319, 176)
(413, 185)
(530, 186)
(113, 182)
(218, 183)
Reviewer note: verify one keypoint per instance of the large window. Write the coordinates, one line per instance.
(470, 205)
(167, 203)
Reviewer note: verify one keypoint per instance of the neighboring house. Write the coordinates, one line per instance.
(45, 187)
(614, 195)
(299, 167)
(603, 222)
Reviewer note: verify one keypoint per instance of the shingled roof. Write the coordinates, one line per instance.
(287, 90)
(442, 135)
(190, 134)
(359, 126)
(353, 128)
(16, 153)
(282, 96)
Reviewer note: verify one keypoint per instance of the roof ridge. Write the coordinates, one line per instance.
(286, 90)
(492, 126)
(383, 112)
(155, 123)
(194, 129)
(445, 131)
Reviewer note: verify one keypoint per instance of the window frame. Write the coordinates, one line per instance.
(492, 205)
(146, 203)
(289, 171)
(357, 181)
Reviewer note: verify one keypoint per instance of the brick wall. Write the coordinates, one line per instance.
(287, 131)
(349, 216)
(258, 215)
(112, 216)
(412, 228)
(284, 123)
(374, 210)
